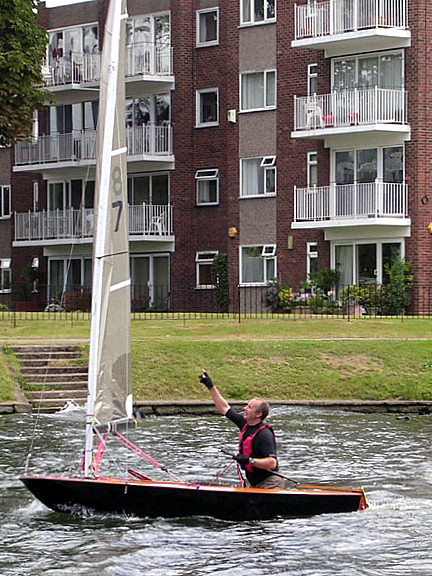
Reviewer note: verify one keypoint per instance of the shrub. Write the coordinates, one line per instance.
(219, 273)
(395, 294)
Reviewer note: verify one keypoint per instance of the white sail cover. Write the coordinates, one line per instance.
(109, 363)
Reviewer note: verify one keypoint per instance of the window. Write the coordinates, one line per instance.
(207, 186)
(312, 169)
(258, 90)
(367, 165)
(208, 27)
(5, 208)
(148, 189)
(312, 79)
(257, 264)
(258, 11)
(384, 71)
(204, 261)
(364, 262)
(207, 107)
(35, 196)
(312, 258)
(258, 176)
(5, 275)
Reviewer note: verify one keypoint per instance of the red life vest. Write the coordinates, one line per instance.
(245, 444)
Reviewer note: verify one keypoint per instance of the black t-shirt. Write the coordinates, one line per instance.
(263, 445)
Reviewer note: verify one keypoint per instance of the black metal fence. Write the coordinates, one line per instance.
(158, 301)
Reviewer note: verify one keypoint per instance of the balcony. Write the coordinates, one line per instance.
(80, 73)
(147, 143)
(351, 26)
(146, 222)
(372, 203)
(351, 111)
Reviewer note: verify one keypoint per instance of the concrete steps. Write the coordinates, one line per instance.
(52, 375)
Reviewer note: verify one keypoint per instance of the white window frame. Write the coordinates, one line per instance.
(311, 254)
(252, 21)
(5, 275)
(215, 42)
(312, 78)
(267, 163)
(35, 196)
(207, 175)
(199, 122)
(5, 202)
(204, 258)
(312, 161)
(265, 74)
(378, 247)
(268, 252)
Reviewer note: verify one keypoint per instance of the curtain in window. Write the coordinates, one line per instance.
(252, 264)
(252, 91)
(344, 263)
(391, 71)
(252, 177)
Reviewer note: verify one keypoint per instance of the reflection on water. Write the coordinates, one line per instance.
(390, 457)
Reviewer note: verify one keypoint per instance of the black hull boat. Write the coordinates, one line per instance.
(176, 499)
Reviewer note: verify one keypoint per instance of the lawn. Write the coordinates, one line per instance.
(280, 358)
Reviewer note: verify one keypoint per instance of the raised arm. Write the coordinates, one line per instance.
(221, 404)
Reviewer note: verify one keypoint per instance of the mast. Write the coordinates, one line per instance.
(109, 383)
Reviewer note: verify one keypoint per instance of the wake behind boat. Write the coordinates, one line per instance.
(109, 403)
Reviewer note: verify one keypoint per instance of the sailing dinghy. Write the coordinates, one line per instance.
(109, 404)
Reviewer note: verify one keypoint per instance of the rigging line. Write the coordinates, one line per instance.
(114, 461)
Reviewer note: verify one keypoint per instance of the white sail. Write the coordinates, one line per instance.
(109, 362)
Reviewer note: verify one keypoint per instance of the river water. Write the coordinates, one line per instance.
(388, 455)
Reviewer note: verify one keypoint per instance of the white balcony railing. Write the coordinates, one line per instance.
(341, 16)
(76, 68)
(359, 107)
(350, 202)
(145, 140)
(72, 224)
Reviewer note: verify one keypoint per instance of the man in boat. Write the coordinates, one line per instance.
(257, 443)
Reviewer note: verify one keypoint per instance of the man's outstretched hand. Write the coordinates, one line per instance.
(206, 380)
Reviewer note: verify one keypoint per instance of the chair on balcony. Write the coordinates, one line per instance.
(158, 224)
(314, 116)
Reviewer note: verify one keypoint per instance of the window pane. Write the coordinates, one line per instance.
(208, 27)
(366, 165)
(207, 191)
(252, 264)
(366, 263)
(390, 252)
(204, 275)
(247, 10)
(208, 107)
(271, 9)
(259, 10)
(252, 91)
(393, 164)
(390, 74)
(252, 177)
(344, 167)
(270, 176)
(344, 263)
(270, 269)
(160, 189)
(344, 75)
(271, 89)
(368, 72)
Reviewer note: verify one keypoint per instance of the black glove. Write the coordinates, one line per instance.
(206, 380)
(241, 459)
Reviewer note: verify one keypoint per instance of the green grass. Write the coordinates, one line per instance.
(281, 358)
(7, 380)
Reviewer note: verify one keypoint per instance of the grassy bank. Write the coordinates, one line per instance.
(363, 359)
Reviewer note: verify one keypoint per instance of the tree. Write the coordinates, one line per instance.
(219, 273)
(22, 49)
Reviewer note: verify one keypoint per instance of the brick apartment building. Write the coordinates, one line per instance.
(289, 136)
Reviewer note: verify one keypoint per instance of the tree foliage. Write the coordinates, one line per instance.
(22, 49)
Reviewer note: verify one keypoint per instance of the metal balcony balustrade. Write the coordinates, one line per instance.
(77, 224)
(337, 203)
(142, 59)
(335, 17)
(145, 140)
(358, 107)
